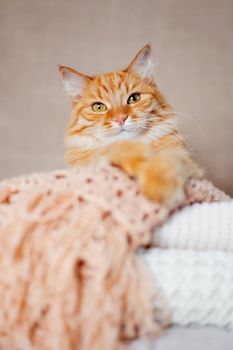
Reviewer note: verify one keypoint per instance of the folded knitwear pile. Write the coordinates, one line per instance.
(87, 262)
(194, 264)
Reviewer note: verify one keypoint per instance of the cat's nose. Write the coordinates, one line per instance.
(120, 119)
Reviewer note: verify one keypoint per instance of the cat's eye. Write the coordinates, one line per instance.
(134, 98)
(99, 107)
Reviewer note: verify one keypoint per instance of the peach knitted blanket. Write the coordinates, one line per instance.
(69, 275)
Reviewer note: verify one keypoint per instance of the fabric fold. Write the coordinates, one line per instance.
(197, 285)
(206, 226)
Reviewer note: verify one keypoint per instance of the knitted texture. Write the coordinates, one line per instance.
(69, 275)
(198, 286)
(206, 226)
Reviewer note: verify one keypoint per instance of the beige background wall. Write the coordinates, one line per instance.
(193, 46)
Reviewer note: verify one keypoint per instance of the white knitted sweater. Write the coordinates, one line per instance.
(194, 264)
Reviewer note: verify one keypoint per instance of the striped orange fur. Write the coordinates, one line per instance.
(122, 117)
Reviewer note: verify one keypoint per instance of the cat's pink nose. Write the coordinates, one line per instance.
(120, 119)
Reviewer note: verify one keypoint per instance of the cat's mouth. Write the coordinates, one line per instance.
(126, 132)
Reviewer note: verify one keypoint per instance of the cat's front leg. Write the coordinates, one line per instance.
(162, 178)
(129, 155)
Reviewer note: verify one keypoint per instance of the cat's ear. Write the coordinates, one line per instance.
(143, 63)
(73, 81)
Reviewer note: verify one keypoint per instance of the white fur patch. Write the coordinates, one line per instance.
(73, 83)
(160, 130)
(144, 64)
(100, 139)
(73, 88)
(81, 141)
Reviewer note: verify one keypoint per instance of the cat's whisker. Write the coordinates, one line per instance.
(203, 136)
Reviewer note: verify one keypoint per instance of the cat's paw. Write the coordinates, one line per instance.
(128, 155)
(162, 181)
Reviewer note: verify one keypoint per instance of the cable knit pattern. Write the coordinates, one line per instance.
(206, 226)
(198, 286)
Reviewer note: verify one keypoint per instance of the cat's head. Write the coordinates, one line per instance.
(115, 106)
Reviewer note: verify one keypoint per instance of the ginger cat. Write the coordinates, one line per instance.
(123, 118)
